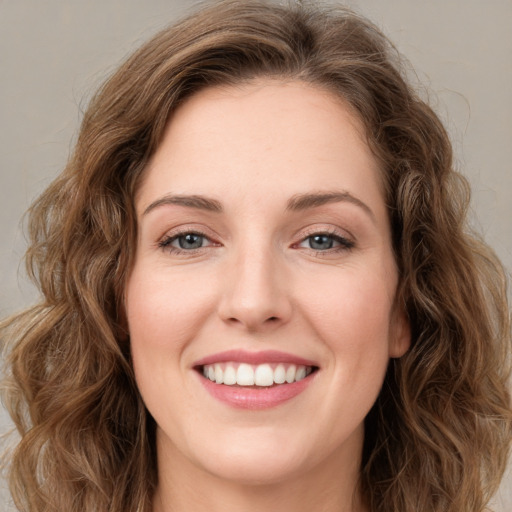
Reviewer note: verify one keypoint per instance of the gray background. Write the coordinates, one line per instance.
(55, 53)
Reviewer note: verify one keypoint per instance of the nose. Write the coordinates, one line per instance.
(256, 294)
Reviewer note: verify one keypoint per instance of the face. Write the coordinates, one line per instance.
(264, 262)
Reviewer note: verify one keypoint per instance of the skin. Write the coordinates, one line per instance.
(256, 283)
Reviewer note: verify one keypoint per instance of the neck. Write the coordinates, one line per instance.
(184, 487)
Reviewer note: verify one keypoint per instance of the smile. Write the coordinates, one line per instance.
(264, 375)
(255, 380)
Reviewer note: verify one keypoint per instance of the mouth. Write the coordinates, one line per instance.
(265, 375)
(255, 380)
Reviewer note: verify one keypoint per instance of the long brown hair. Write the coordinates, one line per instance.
(438, 436)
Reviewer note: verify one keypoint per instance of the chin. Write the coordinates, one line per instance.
(259, 470)
(246, 457)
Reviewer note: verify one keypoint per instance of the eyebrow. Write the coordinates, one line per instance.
(199, 202)
(301, 202)
(298, 202)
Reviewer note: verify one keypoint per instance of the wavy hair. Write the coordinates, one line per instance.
(437, 438)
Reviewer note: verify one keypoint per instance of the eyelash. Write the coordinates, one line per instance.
(344, 243)
(165, 243)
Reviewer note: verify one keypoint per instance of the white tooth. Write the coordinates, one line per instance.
(205, 371)
(245, 375)
(301, 373)
(211, 373)
(229, 375)
(279, 374)
(308, 370)
(219, 374)
(263, 376)
(290, 373)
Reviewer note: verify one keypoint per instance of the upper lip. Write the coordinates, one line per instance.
(243, 356)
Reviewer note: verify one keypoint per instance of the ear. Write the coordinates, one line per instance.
(400, 333)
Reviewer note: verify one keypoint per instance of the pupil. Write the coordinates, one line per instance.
(190, 241)
(321, 242)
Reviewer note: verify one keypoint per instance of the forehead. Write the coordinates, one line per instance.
(253, 104)
(264, 135)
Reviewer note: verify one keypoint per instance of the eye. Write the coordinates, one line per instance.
(188, 241)
(325, 242)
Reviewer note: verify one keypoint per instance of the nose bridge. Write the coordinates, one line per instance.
(255, 295)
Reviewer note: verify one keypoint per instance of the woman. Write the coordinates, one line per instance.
(257, 287)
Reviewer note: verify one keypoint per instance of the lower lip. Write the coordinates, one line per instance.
(256, 398)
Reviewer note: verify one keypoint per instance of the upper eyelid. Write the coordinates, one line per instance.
(189, 228)
(164, 242)
(175, 236)
(325, 230)
(178, 234)
(299, 236)
(344, 242)
(345, 238)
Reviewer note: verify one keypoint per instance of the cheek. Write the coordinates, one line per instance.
(351, 315)
(164, 314)
(353, 303)
(164, 311)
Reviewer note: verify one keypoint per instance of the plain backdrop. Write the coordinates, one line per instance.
(55, 53)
